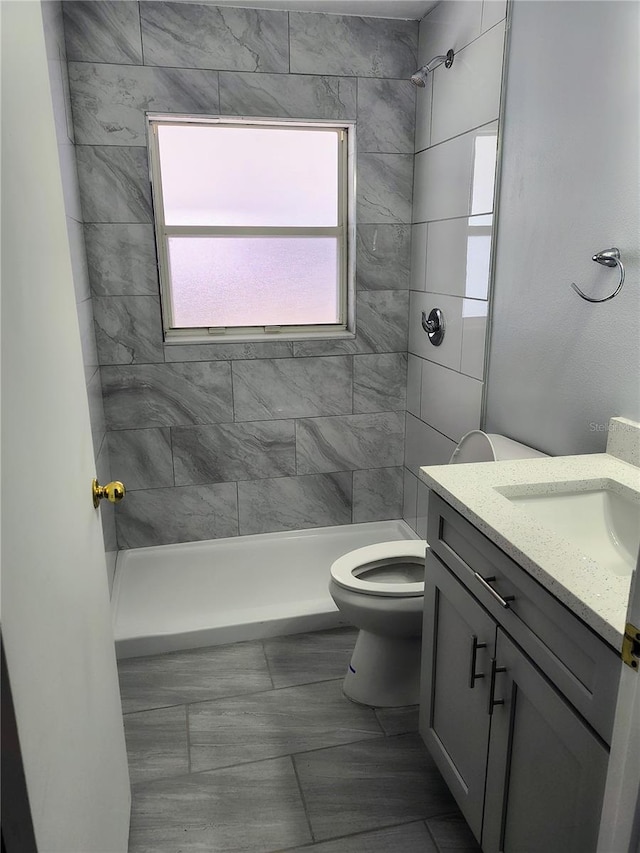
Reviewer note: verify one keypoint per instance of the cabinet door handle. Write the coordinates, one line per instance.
(473, 675)
(492, 686)
(503, 602)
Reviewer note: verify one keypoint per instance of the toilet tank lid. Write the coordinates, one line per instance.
(479, 446)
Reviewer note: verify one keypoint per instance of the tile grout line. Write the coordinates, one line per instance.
(186, 709)
(266, 658)
(303, 798)
(230, 696)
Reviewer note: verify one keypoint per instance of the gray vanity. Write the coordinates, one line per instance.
(518, 696)
(521, 656)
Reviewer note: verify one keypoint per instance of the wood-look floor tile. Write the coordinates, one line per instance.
(253, 808)
(398, 721)
(157, 743)
(371, 784)
(192, 676)
(281, 722)
(408, 838)
(453, 833)
(303, 658)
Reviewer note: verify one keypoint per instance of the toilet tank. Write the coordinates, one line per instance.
(479, 446)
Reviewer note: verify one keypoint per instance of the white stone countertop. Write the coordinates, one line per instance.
(596, 595)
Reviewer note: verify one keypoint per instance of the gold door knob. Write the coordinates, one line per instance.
(113, 492)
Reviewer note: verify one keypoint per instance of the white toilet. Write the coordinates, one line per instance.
(380, 590)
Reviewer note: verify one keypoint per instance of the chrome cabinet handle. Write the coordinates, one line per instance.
(503, 602)
(473, 675)
(492, 686)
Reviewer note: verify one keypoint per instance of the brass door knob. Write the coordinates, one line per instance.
(113, 492)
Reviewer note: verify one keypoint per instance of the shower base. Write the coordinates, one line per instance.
(196, 594)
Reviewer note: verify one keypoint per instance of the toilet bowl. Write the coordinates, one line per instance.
(380, 590)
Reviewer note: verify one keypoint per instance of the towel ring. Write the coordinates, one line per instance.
(608, 258)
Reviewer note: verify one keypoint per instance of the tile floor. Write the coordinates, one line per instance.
(252, 747)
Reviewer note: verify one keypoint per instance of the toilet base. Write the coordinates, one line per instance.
(384, 671)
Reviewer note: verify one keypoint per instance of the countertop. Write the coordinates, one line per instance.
(598, 597)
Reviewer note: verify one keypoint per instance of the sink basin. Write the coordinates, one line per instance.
(601, 522)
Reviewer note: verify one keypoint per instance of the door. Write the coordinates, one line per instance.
(546, 770)
(620, 826)
(458, 643)
(55, 603)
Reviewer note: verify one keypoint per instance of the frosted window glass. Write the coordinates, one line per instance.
(245, 176)
(254, 281)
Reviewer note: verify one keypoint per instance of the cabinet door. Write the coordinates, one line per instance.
(546, 770)
(454, 723)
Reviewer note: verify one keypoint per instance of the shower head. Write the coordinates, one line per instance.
(420, 77)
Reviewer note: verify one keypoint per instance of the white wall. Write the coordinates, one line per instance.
(456, 131)
(559, 366)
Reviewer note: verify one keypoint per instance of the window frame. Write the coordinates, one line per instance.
(344, 231)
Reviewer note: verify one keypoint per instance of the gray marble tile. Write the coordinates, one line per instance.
(151, 395)
(354, 46)
(114, 184)
(96, 412)
(453, 833)
(246, 809)
(227, 352)
(398, 721)
(121, 259)
(408, 838)
(141, 457)
(288, 96)
(381, 326)
(177, 678)
(383, 257)
(385, 188)
(379, 382)
(107, 510)
(386, 781)
(386, 115)
(103, 31)
(265, 725)
(128, 329)
(86, 327)
(109, 101)
(291, 388)
(377, 494)
(347, 442)
(305, 658)
(157, 743)
(78, 260)
(187, 514)
(294, 503)
(226, 452)
(197, 35)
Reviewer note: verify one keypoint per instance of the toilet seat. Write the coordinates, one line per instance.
(342, 571)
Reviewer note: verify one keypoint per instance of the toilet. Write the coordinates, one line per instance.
(380, 590)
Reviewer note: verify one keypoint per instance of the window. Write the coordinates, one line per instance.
(252, 227)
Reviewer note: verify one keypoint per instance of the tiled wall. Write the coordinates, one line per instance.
(456, 128)
(223, 439)
(55, 45)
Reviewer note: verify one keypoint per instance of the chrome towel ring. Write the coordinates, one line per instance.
(608, 258)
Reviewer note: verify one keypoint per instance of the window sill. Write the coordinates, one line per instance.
(180, 338)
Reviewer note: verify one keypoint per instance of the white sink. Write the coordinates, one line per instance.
(604, 524)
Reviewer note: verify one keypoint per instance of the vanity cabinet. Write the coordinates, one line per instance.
(518, 696)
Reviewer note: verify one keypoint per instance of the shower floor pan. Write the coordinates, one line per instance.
(196, 594)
